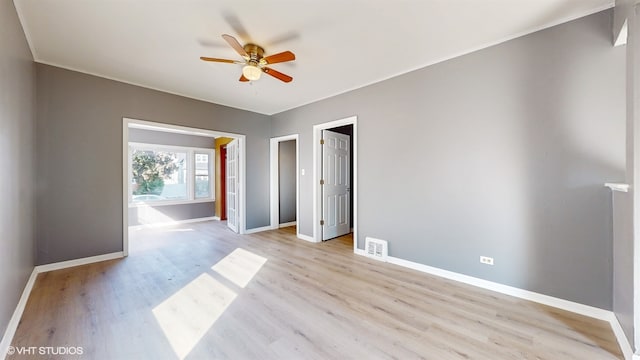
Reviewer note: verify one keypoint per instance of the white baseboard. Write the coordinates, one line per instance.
(17, 315)
(216, 218)
(567, 305)
(257, 230)
(625, 346)
(22, 303)
(292, 223)
(578, 308)
(171, 223)
(306, 238)
(78, 262)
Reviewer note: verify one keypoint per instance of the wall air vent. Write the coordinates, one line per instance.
(376, 248)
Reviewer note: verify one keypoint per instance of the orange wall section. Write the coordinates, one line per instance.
(218, 162)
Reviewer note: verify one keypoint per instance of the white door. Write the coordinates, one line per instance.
(335, 184)
(232, 185)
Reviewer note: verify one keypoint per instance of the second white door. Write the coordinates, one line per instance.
(335, 184)
(232, 185)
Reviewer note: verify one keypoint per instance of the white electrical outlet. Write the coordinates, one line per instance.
(486, 260)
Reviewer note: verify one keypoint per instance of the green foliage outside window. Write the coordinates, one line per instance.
(150, 169)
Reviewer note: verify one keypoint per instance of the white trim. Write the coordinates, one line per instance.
(274, 177)
(306, 238)
(488, 44)
(287, 224)
(146, 86)
(242, 171)
(617, 187)
(135, 123)
(190, 130)
(172, 223)
(28, 37)
(567, 305)
(10, 332)
(633, 152)
(317, 170)
(78, 262)
(211, 154)
(126, 180)
(257, 230)
(152, 146)
(215, 218)
(622, 36)
(578, 308)
(142, 125)
(625, 346)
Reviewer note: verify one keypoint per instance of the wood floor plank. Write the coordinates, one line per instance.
(189, 292)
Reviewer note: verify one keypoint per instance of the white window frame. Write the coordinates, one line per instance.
(191, 171)
(209, 153)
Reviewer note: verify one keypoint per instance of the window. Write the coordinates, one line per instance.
(169, 174)
(203, 176)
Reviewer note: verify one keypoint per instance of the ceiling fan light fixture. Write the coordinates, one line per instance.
(251, 72)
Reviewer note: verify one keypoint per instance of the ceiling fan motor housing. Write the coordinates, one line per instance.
(255, 54)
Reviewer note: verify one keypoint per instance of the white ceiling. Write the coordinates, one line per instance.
(340, 45)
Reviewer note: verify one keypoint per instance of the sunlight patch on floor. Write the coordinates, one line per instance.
(189, 313)
(240, 266)
(147, 215)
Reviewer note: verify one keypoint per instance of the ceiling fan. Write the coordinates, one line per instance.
(255, 63)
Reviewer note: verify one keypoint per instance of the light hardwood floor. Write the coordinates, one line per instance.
(198, 291)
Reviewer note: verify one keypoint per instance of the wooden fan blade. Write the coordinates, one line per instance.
(280, 57)
(243, 79)
(235, 45)
(218, 60)
(278, 75)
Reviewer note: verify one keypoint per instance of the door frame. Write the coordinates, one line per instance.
(223, 182)
(275, 180)
(317, 174)
(235, 227)
(329, 186)
(179, 129)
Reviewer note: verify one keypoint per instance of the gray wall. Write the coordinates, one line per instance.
(623, 261)
(143, 215)
(173, 212)
(501, 153)
(287, 178)
(168, 138)
(17, 121)
(79, 150)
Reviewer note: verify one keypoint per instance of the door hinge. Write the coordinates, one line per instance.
(321, 182)
(321, 141)
(321, 222)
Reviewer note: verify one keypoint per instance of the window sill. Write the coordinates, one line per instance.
(617, 187)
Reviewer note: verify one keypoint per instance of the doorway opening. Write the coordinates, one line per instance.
(284, 182)
(335, 174)
(186, 192)
(221, 146)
